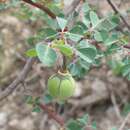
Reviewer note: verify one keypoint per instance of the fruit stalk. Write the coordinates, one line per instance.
(64, 66)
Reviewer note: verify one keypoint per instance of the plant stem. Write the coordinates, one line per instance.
(42, 7)
(117, 11)
(52, 114)
(64, 66)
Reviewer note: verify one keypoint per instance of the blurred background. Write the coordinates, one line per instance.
(101, 94)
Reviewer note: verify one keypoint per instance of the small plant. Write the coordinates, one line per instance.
(79, 47)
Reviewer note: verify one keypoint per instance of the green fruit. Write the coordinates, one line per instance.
(61, 85)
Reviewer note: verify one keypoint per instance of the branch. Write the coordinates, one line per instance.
(116, 10)
(52, 114)
(18, 80)
(127, 46)
(124, 122)
(29, 63)
(71, 8)
(42, 7)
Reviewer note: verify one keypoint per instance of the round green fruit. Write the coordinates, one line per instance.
(61, 85)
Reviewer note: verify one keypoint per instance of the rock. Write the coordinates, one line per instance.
(98, 86)
(78, 90)
(13, 123)
(24, 124)
(3, 119)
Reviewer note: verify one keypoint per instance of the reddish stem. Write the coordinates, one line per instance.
(127, 46)
(42, 7)
(52, 114)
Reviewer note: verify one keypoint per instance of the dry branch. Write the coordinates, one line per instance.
(124, 122)
(18, 80)
(71, 8)
(116, 10)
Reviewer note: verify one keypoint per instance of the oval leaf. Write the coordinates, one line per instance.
(61, 22)
(65, 49)
(46, 54)
(88, 54)
(94, 18)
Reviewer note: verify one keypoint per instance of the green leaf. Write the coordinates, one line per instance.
(46, 33)
(50, 22)
(101, 35)
(116, 66)
(128, 76)
(107, 24)
(74, 37)
(126, 109)
(46, 54)
(94, 125)
(61, 22)
(83, 44)
(112, 49)
(36, 109)
(36, 100)
(77, 30)
(126, 60)
(114, 128)
(74, 69)
(31, 53)
(104, 34)
(77, 70)
(86, 21)
(98, 36)
(115, 19)
(29, 99)
(74, 125)
(83, 56)
(11, 3)
(86, 7)
(47, 98)
(126, 70)
(111, 40)
(64, 49)
(94, 18)
(83, 120)
(88, 54)
(84, 64)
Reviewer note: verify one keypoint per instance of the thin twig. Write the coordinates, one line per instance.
(127, 46)
(52, 114)
(71, 8)
(115, 105)
(18, 80)
(42, 7)
(116, 10)
(124, 122)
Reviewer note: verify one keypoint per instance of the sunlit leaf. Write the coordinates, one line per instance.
(61, 22)
(94, 18)
(31, 53)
